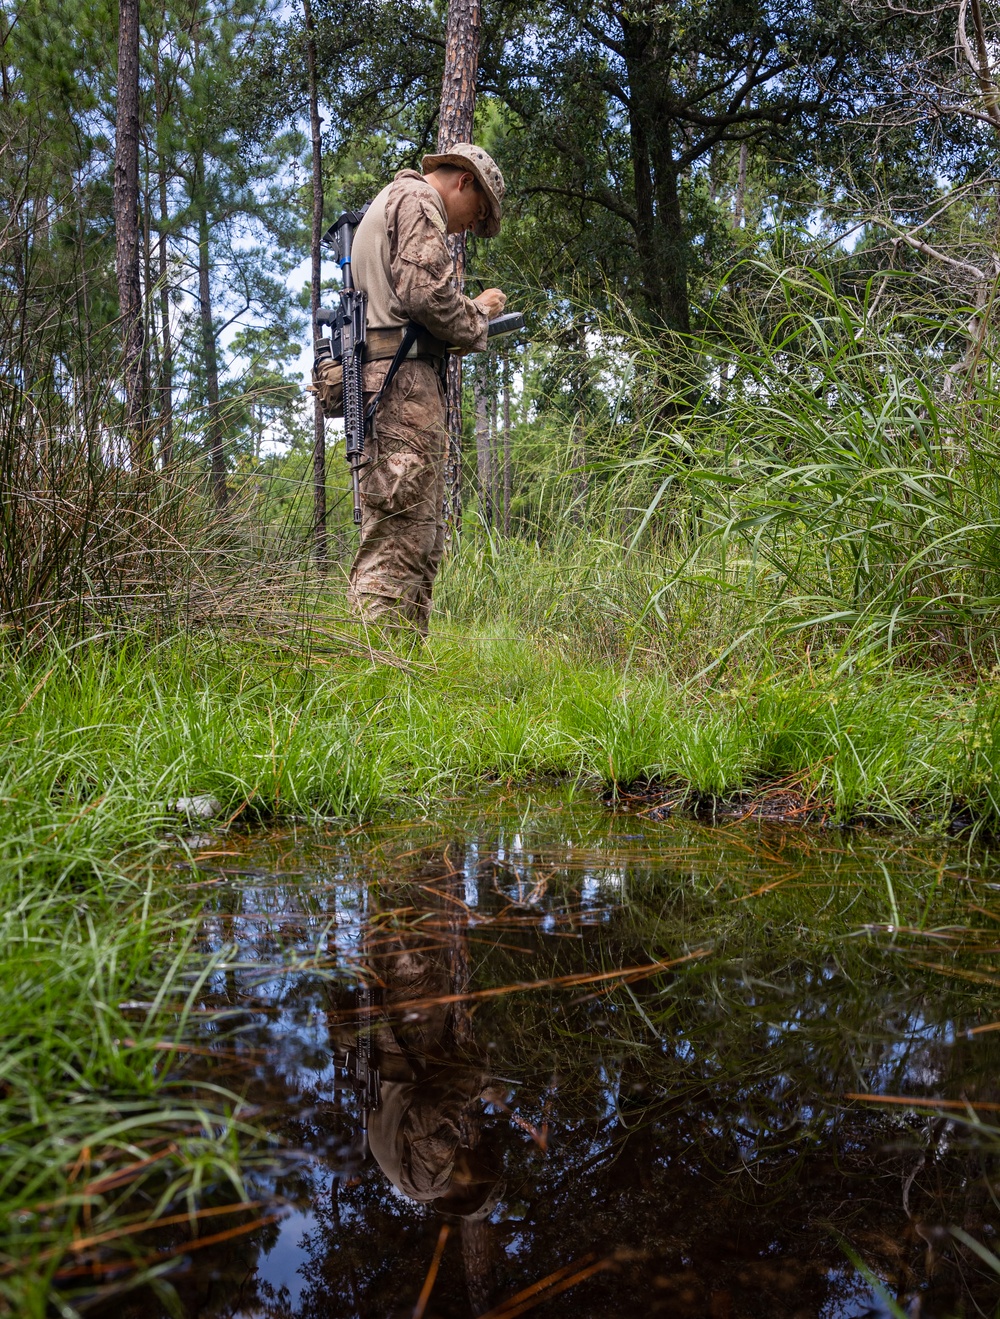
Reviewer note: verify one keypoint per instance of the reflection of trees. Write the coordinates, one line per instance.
(699, 1132)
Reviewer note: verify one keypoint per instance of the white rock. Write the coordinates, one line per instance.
(197, 808)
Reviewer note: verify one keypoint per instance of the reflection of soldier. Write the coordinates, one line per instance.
(418, 1136)
(424, 1133)
(420, 1079)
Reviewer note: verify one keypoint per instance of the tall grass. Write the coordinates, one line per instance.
(99, 1130)
(805, 470)
(100, 743)
(95, 533)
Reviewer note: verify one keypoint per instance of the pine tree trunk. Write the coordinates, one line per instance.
(210, 362)
(166, 375)
(480, 1251)
(320, 543)
(126, 215)
(166, 347)
(483, 463)
(455, 120)
(494, 455)
(151, 366)
(506, 442)
(581, 489)
(741, 188)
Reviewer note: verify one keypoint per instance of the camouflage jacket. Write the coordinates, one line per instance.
(402, 262)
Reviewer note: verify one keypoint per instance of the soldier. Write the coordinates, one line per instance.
(401, 261)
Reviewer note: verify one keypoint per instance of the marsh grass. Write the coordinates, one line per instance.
(98, 1004)
(806, 476)
(102, 739)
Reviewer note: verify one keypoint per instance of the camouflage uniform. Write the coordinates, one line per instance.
(402, 262)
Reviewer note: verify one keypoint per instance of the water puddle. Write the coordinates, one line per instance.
(537, 1058)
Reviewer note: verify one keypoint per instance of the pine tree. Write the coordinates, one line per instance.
(126, 220)
(455, 122)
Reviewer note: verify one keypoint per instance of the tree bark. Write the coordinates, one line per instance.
(483, 455)
(581, 486)
(166, 376)
(494, 454)
(455, 122)
(210, 360)
(672, 249)
(660, 238)
(320, 541)
(741, 188)
(126, 215)
(506, 442)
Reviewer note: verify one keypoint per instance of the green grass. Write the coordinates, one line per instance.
(95, 1133)
(101, 740)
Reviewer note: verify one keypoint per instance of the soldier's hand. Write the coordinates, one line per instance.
(492, 302)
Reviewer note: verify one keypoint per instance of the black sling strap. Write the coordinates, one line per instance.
(405, 344)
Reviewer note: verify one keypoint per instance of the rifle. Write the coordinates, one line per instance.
(346, 345)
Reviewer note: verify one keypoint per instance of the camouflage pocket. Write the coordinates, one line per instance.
(401, 485)
(328, 385)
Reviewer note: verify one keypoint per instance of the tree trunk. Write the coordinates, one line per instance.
(578, 458)
(152, 365)
(739, 201)
(506, 442)
(166, 347)
(483, 462)
(494, 455)
(672, 247)
(166, 376)
(210, 360)
(660, 239)
(480, 1252)
(741, 188)
(84, 318)
(645, 217)
(126, 216)
(455, 121)
(320, 544)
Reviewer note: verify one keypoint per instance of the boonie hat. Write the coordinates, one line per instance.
(468, 156)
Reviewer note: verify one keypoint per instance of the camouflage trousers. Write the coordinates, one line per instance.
(402, 498)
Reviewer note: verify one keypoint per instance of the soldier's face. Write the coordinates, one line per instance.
(467, 204)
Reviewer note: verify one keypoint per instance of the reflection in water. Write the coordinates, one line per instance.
(670, 1141)
(426, 1129)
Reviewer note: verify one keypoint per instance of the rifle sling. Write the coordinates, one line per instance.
(410, 336)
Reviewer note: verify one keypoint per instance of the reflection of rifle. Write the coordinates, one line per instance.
(362, 1077)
